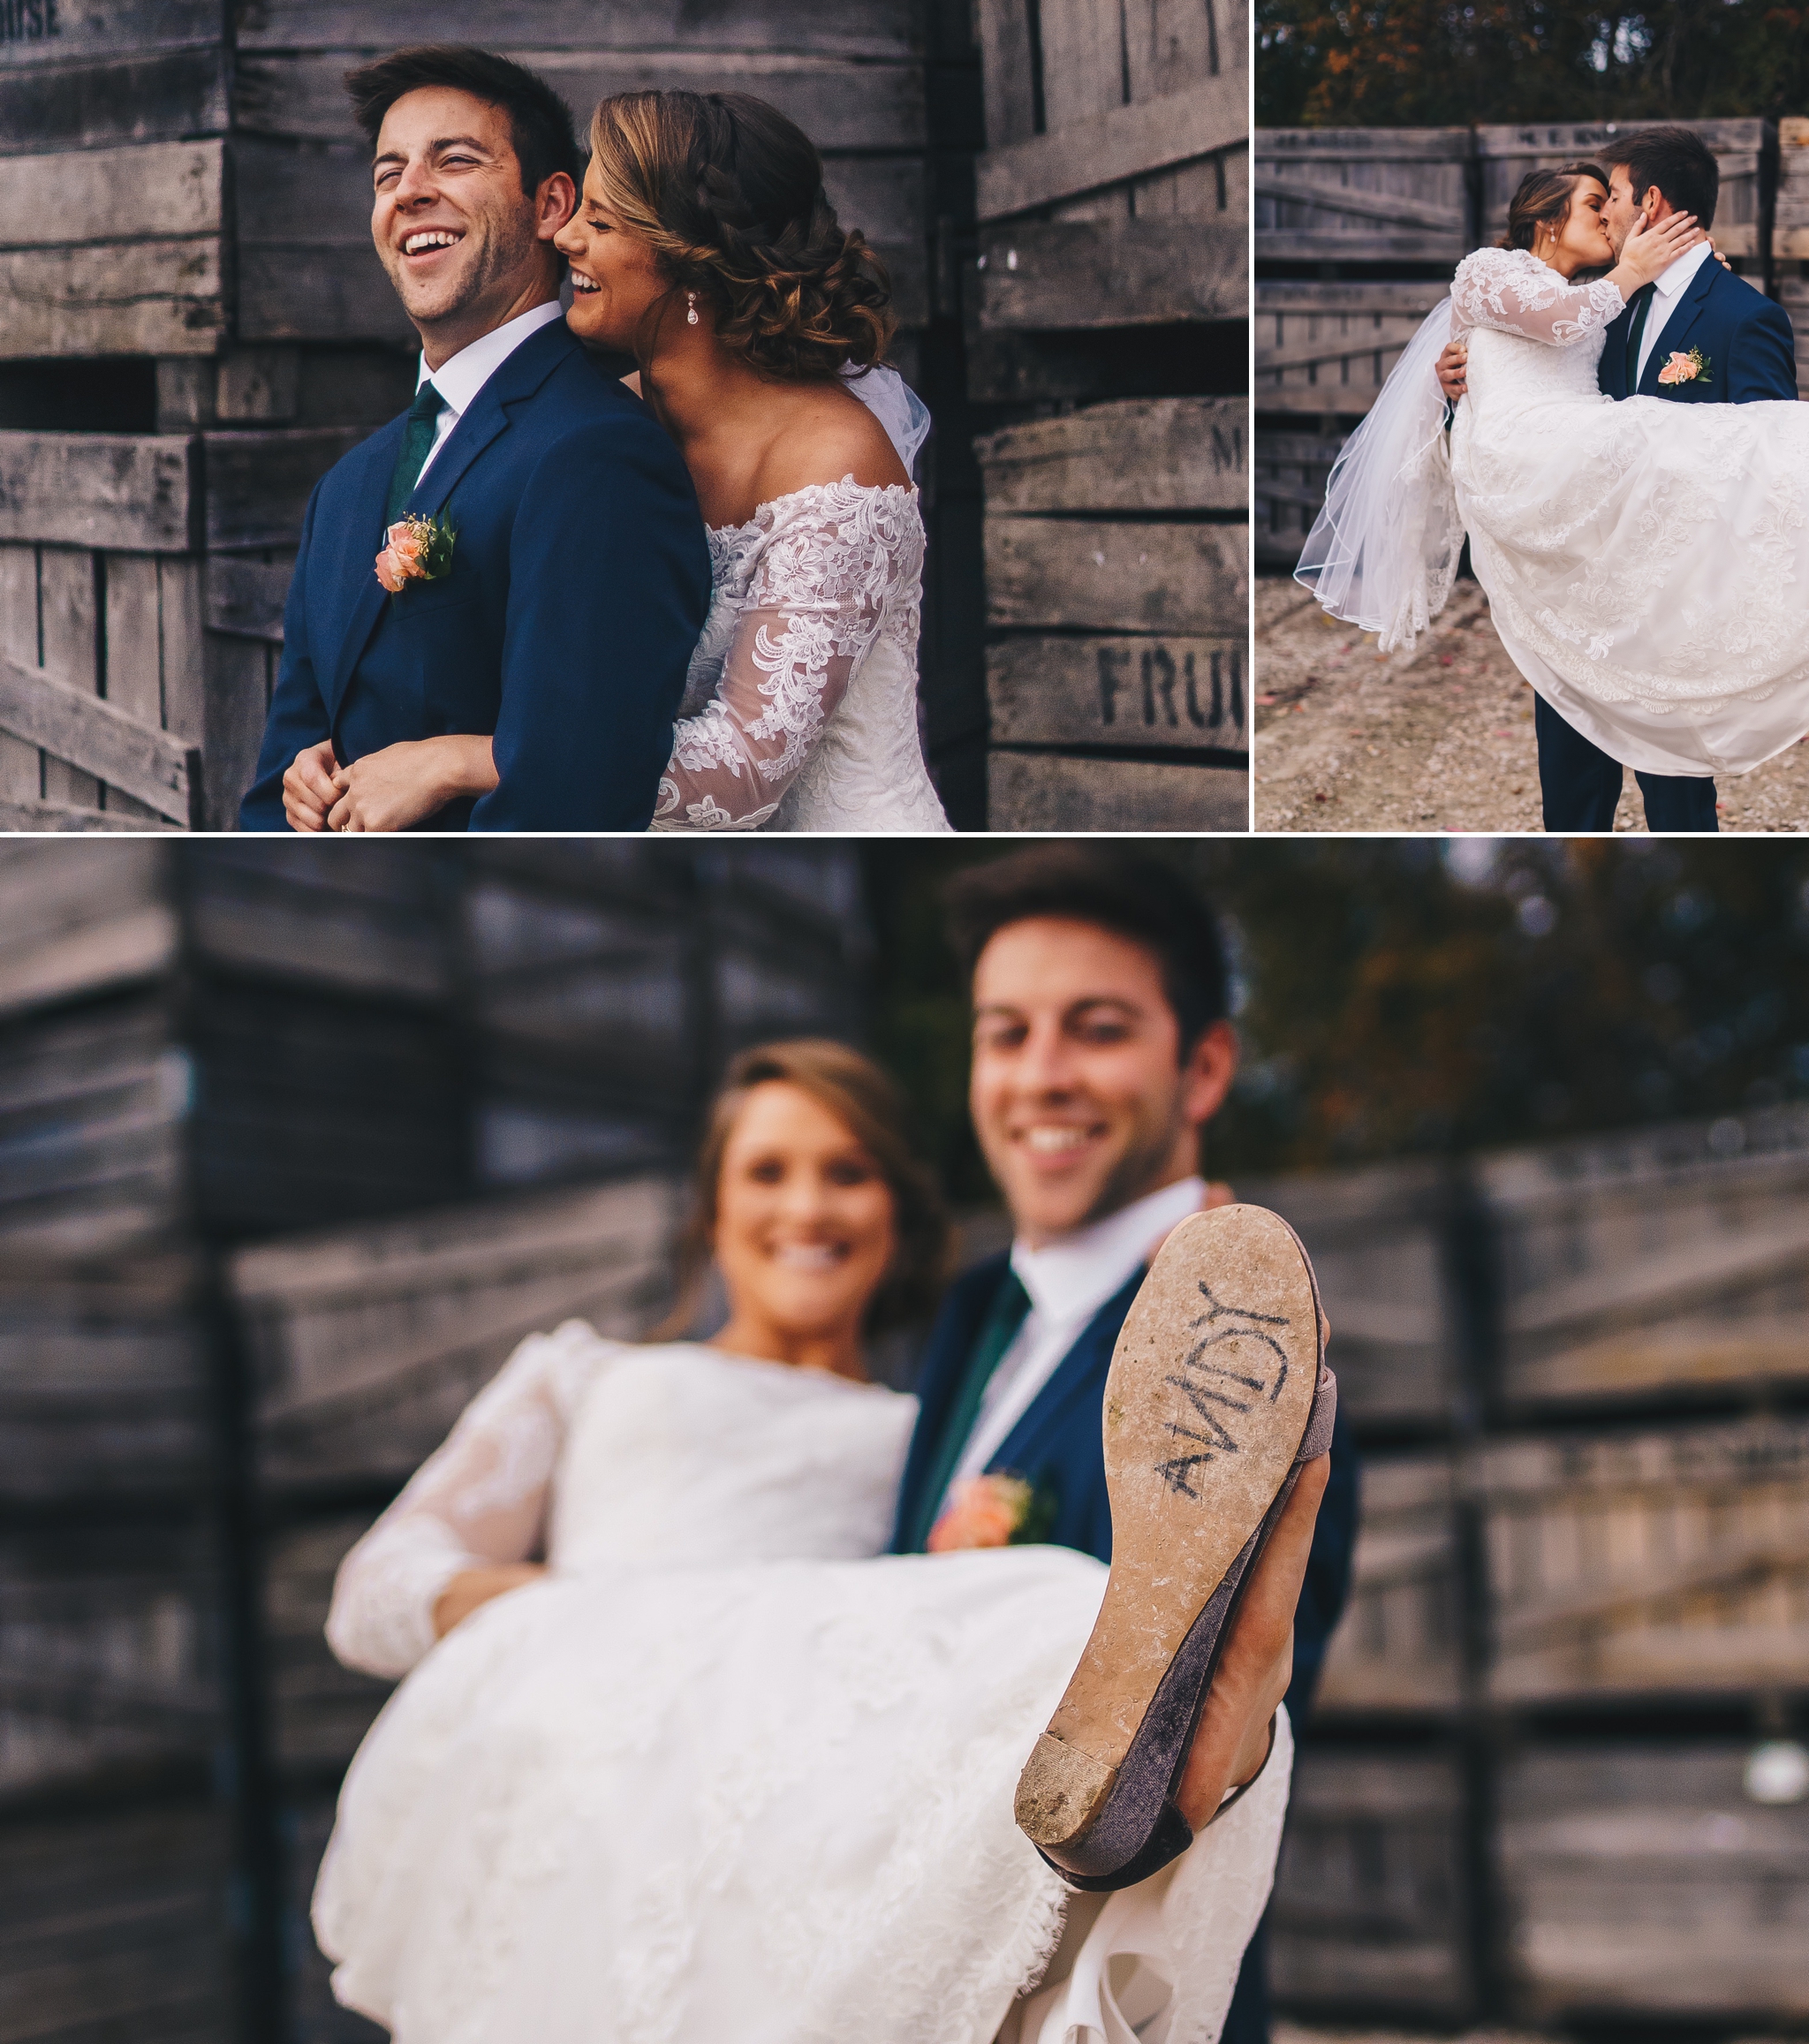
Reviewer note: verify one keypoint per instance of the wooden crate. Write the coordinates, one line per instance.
(1741, 147)
(1789, 224)
(313, 2016)
(1114, 188)
(319, 1711)
(103, 1388)
(367, 1342)
(1658, 1564)
(1641, 1881)
(1369, 1907)
(1292, 470)
(1327, 348)
(110, 1658)
(117, 1925)
(1118, 631)
(1399, 1646)
(1671, 1260)
(1792, 294)
(1369, 195)
(1377, 1239)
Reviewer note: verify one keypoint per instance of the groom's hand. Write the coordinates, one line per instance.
(1452, 370)
(404, 784)
(308, 792)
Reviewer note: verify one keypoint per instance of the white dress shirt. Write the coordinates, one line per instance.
(1667, 293)
(460, 377)
(1068, 1282)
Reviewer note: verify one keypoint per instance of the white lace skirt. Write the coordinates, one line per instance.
(771, 1804)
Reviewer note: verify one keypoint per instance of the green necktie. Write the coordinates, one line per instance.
(1636, 333)
(999, 1329)
(422, 416)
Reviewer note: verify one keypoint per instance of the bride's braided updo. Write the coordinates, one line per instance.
(730, 195)
(1542, 199)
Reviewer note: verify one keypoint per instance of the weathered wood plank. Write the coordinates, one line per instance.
(60, 816)
(1187, 693)
(21, 766)
(147, 298)
(139, 99)
(1079, 274)
(1144, 454)
(237, 679)
(839, 104)
(856, 28)
(1287, 494)
(100, 489)
(91, 734)
(1049, 791)
(1084, 70)
(103, 29)
(159, 191)
(1328, 348)
(1110, 576)
(1396, 1646)
(258, 483)
(246, 597)
(1362, 194)
(69, 647)
(1128, 141)
(1009, 67)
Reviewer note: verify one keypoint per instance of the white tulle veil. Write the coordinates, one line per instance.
(897, 406)
(1383, 553)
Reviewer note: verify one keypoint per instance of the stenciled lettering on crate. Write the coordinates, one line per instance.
(119, 1922)
(368, 1343)
(1661, 1562)
(1369, 1907)
(1674, 1260)
(110, 1661)
(1398, 1648)
(1507, 152)
(1641, 1880)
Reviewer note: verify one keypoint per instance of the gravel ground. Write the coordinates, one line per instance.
(1439, 738)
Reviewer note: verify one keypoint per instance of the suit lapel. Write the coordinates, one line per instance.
(1081, 1373)
(1676, 334)
(370, 493)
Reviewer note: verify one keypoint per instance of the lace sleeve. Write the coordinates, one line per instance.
(812, 612)
(480, 1499)
(1512, 291)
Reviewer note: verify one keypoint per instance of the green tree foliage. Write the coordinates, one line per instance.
(1442, 63)
(1397, 1003)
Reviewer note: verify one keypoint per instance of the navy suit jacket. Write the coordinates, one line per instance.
(1746, 340)
(1057, 1447)
(578, 590)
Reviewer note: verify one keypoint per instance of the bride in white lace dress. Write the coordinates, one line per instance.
(704, 244)
(676, 1759)
(1654, 555)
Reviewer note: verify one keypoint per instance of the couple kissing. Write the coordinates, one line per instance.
(550, 598)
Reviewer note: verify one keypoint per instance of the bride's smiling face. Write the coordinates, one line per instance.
(1582, 242)
(805, 1222)
(615, 284)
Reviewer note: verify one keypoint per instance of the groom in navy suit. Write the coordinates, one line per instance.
(1698, 334)
(532, 682)
(1102, 1047)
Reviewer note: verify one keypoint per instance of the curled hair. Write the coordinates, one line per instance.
(730, 195)
(870, 1107)
(1543, 199)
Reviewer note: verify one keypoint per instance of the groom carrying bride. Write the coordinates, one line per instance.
(1696, 334)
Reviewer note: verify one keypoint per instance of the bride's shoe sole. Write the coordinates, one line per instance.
(1217, 1393)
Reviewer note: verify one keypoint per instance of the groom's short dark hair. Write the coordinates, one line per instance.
(1135, 895)
(540, 122)
(1677, 159)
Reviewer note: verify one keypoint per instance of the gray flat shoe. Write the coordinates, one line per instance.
(1218, 1393)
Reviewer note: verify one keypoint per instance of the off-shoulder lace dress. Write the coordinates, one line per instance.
(801, 707)
(722, 1774)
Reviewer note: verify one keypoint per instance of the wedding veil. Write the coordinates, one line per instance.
(1383, 553)
(897, 406)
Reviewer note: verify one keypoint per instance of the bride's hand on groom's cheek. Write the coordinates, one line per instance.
(404, 784)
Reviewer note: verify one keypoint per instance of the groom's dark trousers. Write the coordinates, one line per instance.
(1746, 342)
(1056, 1445)
(578, 588)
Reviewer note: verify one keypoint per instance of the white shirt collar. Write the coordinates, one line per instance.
(1071, 1278)
(1672, 281)
(460, 377)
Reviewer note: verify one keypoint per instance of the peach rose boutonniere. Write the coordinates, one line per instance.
(1685, 369)
(992, 1511)
(419, 550)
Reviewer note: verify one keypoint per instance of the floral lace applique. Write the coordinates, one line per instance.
(1512, 291)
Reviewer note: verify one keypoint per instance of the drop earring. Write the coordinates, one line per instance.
(691, 317)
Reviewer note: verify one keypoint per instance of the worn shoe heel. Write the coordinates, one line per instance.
(1217, 1393)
